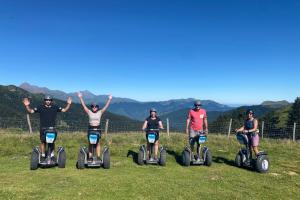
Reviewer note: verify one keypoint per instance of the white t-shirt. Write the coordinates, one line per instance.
(94, 118)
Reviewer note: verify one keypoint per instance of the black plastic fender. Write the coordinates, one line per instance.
(143, 148)
(105, 149)
(60, 149)
(84, 151)
(187, 148)
(204, 150)
(37, 150)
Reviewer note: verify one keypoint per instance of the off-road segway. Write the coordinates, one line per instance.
(150, 159)
(244, 156)
(36, 155)
(202, 157)
(94, 136)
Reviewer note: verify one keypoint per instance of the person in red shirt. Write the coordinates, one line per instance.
(196, 119)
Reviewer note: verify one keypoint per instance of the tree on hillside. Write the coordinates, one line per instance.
(272, 119)
(294, 114)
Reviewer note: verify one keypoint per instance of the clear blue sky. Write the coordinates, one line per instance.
(228, 51)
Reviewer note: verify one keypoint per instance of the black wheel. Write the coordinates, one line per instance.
(80, 160)
(106, 159)
(62, 159)
(238, 160)
(140, 157)
(163, 157)
(186, 158)
(208, 158)
(34, 161)
(262, 164)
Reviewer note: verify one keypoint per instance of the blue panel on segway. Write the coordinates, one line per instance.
(50, 137)
(242, 139)
(151, 138)
(93, 138)
(202, 139)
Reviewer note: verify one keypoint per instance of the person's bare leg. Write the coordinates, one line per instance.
(52, 150)
(42, 147)
(255, 149)
(98, 149)
(156, 149)
(148, 151)
(90, 151)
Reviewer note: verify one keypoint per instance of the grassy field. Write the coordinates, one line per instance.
(127, 180)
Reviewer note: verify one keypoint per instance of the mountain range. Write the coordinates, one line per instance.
(13, 112)
(128, 107)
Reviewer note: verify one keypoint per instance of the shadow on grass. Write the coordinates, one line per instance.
(134, 155)
(219, 159)
(176, 156)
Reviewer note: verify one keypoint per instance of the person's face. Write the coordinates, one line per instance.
(153, 114)
(250, 115)
(48, 102)
(94, 108)
(197, 107)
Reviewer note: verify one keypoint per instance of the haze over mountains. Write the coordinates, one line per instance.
(176, 110)
(129, 107)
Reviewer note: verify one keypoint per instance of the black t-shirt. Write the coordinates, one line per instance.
(47, 115)
(153, 123)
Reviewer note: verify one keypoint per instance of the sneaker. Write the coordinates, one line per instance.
(43, 158)
(244, 158)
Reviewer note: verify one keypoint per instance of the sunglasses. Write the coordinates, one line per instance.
(47, 100)
(95, 106)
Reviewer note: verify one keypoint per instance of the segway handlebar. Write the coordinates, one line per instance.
(202, 132)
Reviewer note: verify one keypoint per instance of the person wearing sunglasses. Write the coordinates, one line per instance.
(250, 128)
(196, 119)
(94, 114)
(48, 112)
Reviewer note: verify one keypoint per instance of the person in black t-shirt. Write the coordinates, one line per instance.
(153, 122)
(48, 112)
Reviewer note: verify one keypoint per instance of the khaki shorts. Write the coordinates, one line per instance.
(193, 133)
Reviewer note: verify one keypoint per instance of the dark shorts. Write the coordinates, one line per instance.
(156, 136)
(193, 140)
(43, 135)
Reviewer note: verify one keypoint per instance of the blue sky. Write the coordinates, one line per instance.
(240, 52)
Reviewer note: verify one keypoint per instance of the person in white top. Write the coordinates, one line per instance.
(94, 114)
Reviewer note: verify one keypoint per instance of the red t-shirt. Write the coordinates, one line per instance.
(197, 119)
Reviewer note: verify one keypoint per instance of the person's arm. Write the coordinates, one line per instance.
(26, 103)
(107, 104)
(160, 125)
(82, 102)
(145, 125)
(206, 125)
(69, 102)
(187, 125)
(240, 129)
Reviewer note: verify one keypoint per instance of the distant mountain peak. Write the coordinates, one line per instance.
(275, 104)
(88, 96)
